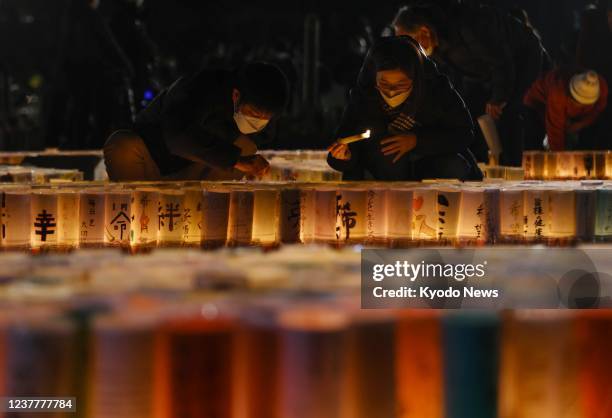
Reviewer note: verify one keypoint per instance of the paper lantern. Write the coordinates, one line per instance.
(325, 215)
(170, 218)
(420, 383)
(376, 216)
(538, 370)
(117, 218)
(215, 218)
(586, 203)
(511, 214)
(43, 219)
(473, 216)
(194, 366)
(192, 217)
(536, 214)
(92, 218)
(121, 372)
(308, 215)
(425, 211)
(313, 344)
(265, 217)
(351, 214)
(609, 165)
(145, 224)
(290, 216)
(528, 164)
(399, 215)
(562, 219)
(600, 164)
(539, 165)
(68, 225)
(15, 214)
(603, 225)
(449, 203)
(551, 166)
(240, 227)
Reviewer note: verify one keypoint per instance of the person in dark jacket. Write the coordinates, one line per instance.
(497, 57)
(203, 127)
(419, 125)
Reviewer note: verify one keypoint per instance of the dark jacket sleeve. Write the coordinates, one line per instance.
(192, 126)
(449, 126)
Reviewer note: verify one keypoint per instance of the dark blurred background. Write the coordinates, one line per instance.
(71, 71)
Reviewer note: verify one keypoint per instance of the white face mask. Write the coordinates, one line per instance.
(396, 100)
(249, 124)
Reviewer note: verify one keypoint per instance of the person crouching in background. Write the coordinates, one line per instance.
(204, 127)
(420, 127)
(561, 104)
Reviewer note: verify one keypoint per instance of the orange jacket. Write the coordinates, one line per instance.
(550, 96)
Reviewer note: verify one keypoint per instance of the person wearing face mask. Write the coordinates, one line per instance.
(203, 127)
(493, 58)
(419, 126)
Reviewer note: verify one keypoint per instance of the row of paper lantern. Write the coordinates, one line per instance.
(26, 174)
(567, 165)
(269, 213)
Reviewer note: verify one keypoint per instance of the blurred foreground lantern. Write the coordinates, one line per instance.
(43, 219)
(117, 218)
(399, 216)
(92, 217)
(215, 217)
(265, 217)
(68, 225)
(144, 215)
(240, 227)
(15, 217)
(170, 218)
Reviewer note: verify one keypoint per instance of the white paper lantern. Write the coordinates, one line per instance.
(68, 219)
(376, 216)
(15, 214)
(192, 216)
(118, 218)
(473, 216)
(265, 217)
(170, 218)
(449, 202)
(325, 202)
(562, 214)
(536, 214)
(290, 216)
(512, 215)
(44, 219)
(586, 205)
(308, 217)
(215, 217)
(603, 226)
(399, 215)
(352, 213)
(145, 225)
(240, 227)
(92, 217)
(425, 211)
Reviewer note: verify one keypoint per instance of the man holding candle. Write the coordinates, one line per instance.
(203, 127)
(419, 126)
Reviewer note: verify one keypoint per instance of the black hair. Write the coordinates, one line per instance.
(397, 53)
(263, 86)
(410, 18)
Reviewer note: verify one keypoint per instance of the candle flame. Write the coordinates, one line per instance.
(366, 134)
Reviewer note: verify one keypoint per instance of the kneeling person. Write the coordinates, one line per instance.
(203, 127)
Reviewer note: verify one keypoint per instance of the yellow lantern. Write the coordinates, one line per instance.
(144, 215)
(536, 214)
(603, 225)
(351, 214)
(562, 206)
(240, 227)
(43, 219)
(376, 216)
(325, 203)
(118, 218)
(215, 216)
(170, 218)
(399, 215)
(68, 219)
(265, 216)
(449, 202)
(192, 216)
(15, 215)
(473, 216)
(425, 212)
(511, 215)
(91, 216)
(290, 217)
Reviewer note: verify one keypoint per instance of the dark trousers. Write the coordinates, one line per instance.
(447, 166)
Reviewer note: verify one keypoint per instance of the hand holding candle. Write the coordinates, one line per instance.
(354, 138)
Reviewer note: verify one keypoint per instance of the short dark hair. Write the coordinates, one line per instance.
(264, 86)
(410, 18)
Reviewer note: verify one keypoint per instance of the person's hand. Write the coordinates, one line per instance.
(340, 151)
(254, 165)
(398, 144)
(495, 110)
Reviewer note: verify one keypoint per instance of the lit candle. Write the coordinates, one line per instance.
(215, 218)
(240, 228)
(15, 214)
(355, 138)
(265, 217)
(117, 218)
(68, 225)
(43, 219)
(170, 218)
(399, 215)
(145, 224)
(91, 216)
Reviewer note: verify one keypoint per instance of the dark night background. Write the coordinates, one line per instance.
(183, 35)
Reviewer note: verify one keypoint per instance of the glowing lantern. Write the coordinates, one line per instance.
(240, 227)
(603, 225)
(512, 208)
(600, 164)
(528, 164)
(68, 219)
(399, 215)
(609, 165)
(308, 215)
(265, 217)
(170, 218)
(43, 219)
(215, 217)
(144, 215)
(376, 216)
(539, 165)
(562, 217)
(425, 211)
(290, 216)
(551, 170)
(91, 216)
(117, 219)
(15, 214)
(449, 202)
(536, 214)
(351, 214)
(325, 206)
(192, 216)
(473, 216)
(586, 203)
